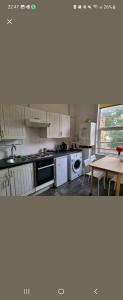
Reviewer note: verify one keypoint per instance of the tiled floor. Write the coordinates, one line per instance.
(79, 187)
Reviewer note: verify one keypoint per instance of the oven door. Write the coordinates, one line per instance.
(45, 174)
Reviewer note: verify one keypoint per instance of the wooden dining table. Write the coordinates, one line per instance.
(109, 164)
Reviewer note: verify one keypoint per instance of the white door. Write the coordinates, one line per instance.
(4, 183)
(54, 130)
(65, 126)
(13, 122)
(61, 170)
(35, 113)
(22, 180)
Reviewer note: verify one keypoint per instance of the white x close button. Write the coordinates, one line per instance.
(9, 21)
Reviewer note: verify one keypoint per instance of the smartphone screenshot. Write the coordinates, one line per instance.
(61, 149)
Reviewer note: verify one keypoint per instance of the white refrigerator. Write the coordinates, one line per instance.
(61, 170)
(87, 141)
(87, 134)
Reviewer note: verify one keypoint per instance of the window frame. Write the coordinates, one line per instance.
(99, 149)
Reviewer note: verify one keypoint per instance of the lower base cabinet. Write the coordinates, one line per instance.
(22, 180)
(17, 181)
(4, 183)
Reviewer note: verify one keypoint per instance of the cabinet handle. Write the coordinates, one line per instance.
(11, 173)
(2, 133)
(7, 181)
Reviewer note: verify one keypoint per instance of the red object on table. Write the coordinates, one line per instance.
(119, 149)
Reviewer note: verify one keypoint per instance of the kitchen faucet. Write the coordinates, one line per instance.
(12, 150)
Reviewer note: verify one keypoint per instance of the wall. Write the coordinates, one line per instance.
(57, 108)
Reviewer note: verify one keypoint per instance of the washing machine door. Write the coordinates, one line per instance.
(76, 165)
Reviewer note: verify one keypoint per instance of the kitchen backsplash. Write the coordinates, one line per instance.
(31, 145)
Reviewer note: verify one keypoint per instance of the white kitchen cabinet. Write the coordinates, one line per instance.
(60, 125)
(53, 131)
(4, 183)
(22, 180)
(12, 124)
(64, 126)
(61, 170)
(31, 113)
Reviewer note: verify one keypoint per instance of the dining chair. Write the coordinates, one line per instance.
(93, 158)
(114, 179)
(96, 174)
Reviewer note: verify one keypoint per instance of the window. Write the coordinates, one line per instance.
(110, 128)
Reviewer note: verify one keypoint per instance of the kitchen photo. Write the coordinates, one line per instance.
(61, 150)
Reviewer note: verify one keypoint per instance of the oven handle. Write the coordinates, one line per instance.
(45, 167)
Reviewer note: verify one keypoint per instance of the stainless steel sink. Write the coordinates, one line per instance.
(10, 160)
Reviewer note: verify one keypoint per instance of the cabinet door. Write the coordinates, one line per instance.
(13, 122)
(22, 180)
(4, 183)
(65, 126)
(61, 171)
(35, 113)
(54, 130)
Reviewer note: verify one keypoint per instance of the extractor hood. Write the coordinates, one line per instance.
(37, 123)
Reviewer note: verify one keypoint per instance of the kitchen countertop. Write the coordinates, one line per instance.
(64, 153)
(20, 161)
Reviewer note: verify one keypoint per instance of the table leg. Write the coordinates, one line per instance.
(91, 183)
(117, 193)
(106, 175)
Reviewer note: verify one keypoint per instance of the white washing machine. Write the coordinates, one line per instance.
(74, 165)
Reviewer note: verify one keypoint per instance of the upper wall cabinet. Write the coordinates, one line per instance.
(64, 126)
(60, 125)
(54, 130)
(35, 113)
(11, 122)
